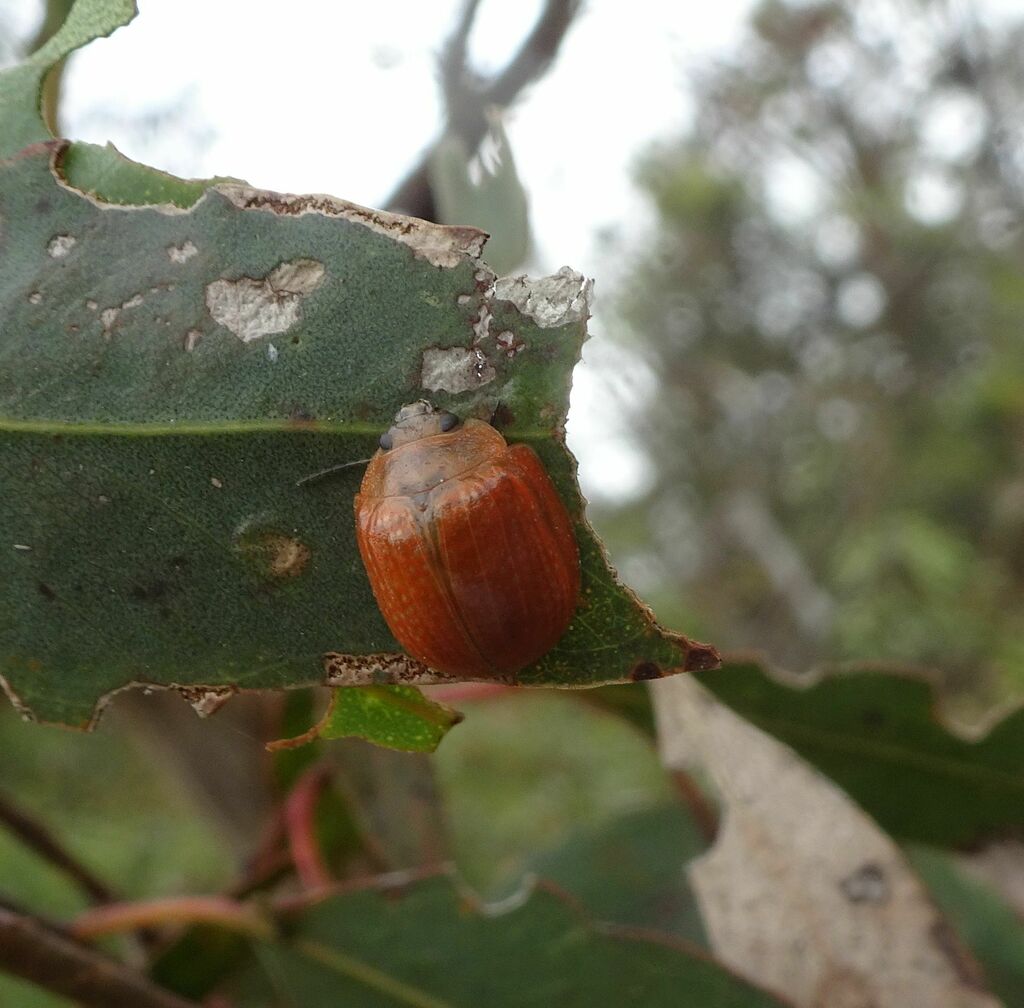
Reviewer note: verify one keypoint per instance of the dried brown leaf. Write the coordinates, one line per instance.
(802, 892)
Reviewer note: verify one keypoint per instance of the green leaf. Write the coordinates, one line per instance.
(992, 930)
(876, 735)
(396, 717)
(431, 947)
(631, 871)
(21, 120)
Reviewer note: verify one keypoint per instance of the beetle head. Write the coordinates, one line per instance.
(417, 420)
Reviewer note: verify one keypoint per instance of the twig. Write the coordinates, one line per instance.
(454, 59)
(536, 54)
(36, 836)
(468, 100)
(218, 910)
(31, 950)
(300, 825)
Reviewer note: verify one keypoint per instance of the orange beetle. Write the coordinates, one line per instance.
(469, 550)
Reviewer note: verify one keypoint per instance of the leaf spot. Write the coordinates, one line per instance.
(510, 343)
(271, 554)
(109, 316)
(181, 253)
(868, 884)
(60, 246)
(455, 370)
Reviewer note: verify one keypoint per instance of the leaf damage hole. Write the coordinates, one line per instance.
(455, 369)
(181, 253)
(510, 343)
(61, 245)
(251, 308)
(109, 316)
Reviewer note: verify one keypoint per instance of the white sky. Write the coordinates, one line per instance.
(342, 98)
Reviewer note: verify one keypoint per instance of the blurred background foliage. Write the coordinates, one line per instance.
(829, 315)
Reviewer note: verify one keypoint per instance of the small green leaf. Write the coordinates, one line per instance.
(397, 717)
(876, 734)
(21, 119)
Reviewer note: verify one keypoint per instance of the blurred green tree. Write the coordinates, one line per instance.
(832, 310)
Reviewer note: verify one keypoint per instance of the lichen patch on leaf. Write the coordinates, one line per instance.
(550, 301)
(252, 308)
(439, 244)
(455, 369)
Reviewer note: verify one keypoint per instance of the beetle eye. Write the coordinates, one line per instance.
(448, 421)
(386, 441)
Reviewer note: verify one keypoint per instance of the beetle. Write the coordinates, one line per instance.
(468, 547)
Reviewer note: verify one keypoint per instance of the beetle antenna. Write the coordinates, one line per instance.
(330, 471)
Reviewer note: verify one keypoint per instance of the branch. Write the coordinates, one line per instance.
(536, 54)
(454, 59)
(468, 101)
(31, 950)
(217, 910)
(36, 836)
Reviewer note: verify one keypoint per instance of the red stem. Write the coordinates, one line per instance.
(300, 827)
